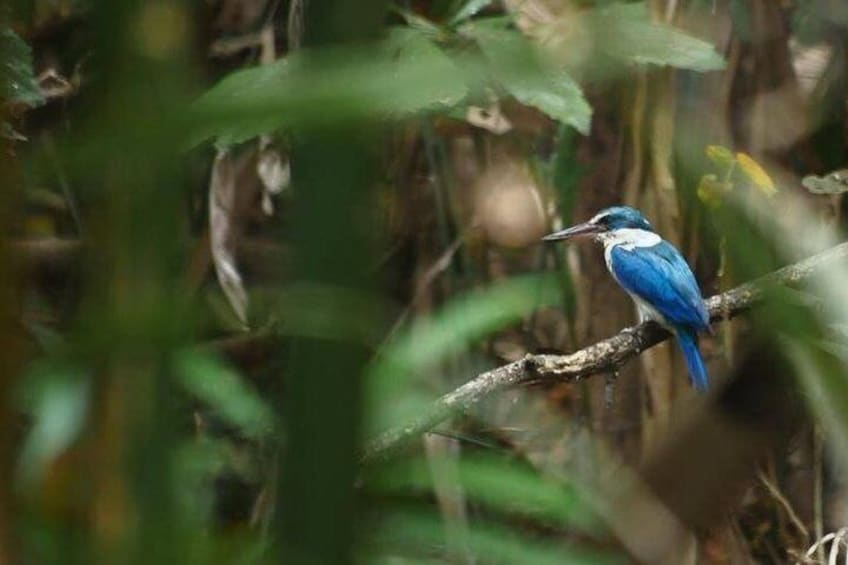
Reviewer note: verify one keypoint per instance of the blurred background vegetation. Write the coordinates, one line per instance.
(243, 237)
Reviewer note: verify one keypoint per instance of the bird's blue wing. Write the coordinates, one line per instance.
(660, 276)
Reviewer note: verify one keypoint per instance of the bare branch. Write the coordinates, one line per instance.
(603, 356)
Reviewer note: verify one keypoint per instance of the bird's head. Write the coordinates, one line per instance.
(607, 220)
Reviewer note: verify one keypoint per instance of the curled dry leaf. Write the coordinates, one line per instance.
(223, 234)
(831, 183)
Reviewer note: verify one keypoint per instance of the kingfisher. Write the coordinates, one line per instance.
(654, 274)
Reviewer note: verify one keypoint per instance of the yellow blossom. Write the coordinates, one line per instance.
(755, 174)
(721, 156)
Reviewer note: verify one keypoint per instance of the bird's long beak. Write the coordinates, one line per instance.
(586, 228)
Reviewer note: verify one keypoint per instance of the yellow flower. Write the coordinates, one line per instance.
(721, 156)
(755, 174)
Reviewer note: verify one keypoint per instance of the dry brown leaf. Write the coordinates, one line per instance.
(831, 183)
(223, 232)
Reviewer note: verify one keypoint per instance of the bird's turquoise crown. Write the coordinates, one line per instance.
(618, 217)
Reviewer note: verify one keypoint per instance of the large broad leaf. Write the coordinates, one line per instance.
(402, 75)
(392, 379)
(407, 532)
(57, 399)
(521, 70)
(17, 81)
(501, 485)
(629, 34)
(223, 390)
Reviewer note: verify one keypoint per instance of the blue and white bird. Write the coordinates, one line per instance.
(654, 274)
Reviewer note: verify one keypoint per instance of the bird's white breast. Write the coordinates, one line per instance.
(628, 239)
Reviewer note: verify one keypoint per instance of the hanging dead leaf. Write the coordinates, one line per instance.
(223, 232)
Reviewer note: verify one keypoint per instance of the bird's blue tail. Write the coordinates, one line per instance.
(688, 341)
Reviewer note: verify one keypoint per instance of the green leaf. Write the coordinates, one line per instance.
(522, 71)
(418, 23)
(421, 533)
(400, 76)
(459, 324)
(468, 318)
(223, 390)
(629, 34)
(501, 485)
(58, 398)
(17, 80)
(821, 367)
(323, 311)
(822, 377)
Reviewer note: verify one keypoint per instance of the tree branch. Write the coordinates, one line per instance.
(602, 356)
